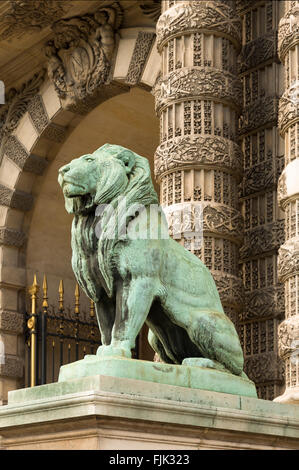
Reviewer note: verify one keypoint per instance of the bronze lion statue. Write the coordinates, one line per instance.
(138, 279)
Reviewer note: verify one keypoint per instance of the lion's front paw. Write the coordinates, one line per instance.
(113, 351)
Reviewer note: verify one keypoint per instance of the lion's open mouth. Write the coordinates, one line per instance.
(72, 188)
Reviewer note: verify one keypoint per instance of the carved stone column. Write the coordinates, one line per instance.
(288, 197)
(262, 76)
(198, 99)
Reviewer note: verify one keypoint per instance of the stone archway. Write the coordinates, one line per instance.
(28, 149)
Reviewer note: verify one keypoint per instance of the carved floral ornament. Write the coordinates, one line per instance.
(194, 16)
(288, 259)
(16, 105)
(80, 54)
(288, 32)
(188, 83)
(31, 16)
(289, 108)
(183, 152)
(217, 218)
(288, 337)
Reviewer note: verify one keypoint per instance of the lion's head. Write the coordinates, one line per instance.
(102, 176)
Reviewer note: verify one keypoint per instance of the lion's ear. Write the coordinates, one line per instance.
(128, 158)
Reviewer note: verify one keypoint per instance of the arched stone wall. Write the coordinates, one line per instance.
(27, 152)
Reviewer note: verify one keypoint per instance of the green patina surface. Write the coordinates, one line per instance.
(169, 374)
(137, 277)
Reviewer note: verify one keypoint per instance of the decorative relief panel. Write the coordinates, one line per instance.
(80, 54)
(288, 259)
(263, 113)
(17, 102)
(260, 302)
(200, 81)
(196, 16)
(200, 150)
(288, 108)
(288, 33)
(263, 239)
(264, 368)
(31, 16)
(257, 52)
(141, 51)
(288, 337)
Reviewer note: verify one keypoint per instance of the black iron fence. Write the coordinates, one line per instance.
(58, 336)
(55, 337)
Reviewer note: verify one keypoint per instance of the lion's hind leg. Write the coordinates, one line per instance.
(217, 339)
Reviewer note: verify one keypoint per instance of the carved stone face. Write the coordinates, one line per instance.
(95, 178)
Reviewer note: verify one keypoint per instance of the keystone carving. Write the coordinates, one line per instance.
(80, 54)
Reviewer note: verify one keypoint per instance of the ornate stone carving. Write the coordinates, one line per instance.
(260, 302)
(15, 199)
(17, 103)
(288, 33)
(196, 151)
(230, 289)
(288, 337)
(288, 259)
(259, 51)
(196, 16)
(282, 190)
(13, 367)
(80, 55)
(223, 220)
(188, 83)
(38, 113)
(151, 9)
(262, 113)
(15, 151)
(262, 239)
(264, 367)
(12, 322)
(31, 16)
(11, 237)
(141, 51)
(258, 178)
(219, 219)
(288, 108)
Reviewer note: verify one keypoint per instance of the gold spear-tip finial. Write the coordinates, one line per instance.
(61, 295)
(45, 293)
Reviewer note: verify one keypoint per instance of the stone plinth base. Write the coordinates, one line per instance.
(194, 377)
(291, 395)
(103, 412)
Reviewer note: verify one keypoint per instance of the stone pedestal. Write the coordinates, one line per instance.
(101, 412)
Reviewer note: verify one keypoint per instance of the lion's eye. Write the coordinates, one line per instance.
(89, 159)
